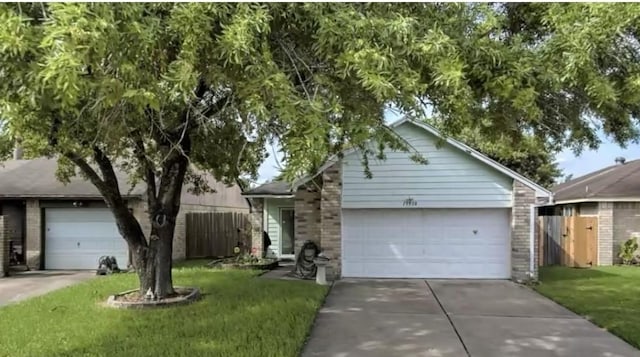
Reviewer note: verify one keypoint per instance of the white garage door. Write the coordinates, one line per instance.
(77, 237)
(426, 243)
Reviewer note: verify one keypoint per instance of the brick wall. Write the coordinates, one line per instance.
(523, 198)
(605, 233)
(626, 224)
(33, 236)
(331, 217)
(307, 215)
(4, 247)
(256, 217)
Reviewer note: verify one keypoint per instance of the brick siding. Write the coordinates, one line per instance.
(605, 233)
(307, 215)
(626, 224)
(33, 236)
(331, 217)
(523, 198)
(256, 217)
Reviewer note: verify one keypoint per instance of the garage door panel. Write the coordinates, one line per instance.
(426, 243)
(76, 238)
(437, 269)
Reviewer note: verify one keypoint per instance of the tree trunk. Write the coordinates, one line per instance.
(153, 260)
(153, 263)
(150, 257)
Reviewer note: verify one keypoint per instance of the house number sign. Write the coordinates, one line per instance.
(409, 202)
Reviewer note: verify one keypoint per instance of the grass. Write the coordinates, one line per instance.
(608, 296)
(238, 316)
(192, 263)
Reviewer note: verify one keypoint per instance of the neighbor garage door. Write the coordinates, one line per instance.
(426, 243)
(77, 237)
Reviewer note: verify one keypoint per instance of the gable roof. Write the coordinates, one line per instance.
(619, 182)
(540, 191)
(36, 179)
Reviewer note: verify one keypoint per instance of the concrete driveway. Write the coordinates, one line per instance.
(24, 285)
(439, 318)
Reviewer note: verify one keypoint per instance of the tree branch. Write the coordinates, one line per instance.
(172, 178)
(147, 167)
(87, 170)
(108, 173)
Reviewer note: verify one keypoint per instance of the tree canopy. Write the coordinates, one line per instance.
(158, 88)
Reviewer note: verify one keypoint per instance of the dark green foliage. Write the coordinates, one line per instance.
(628, 251)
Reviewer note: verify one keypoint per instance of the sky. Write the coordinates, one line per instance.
(587, 161)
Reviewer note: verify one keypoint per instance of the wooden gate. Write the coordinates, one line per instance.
(568, 241)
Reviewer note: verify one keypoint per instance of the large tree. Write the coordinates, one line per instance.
(153, 88)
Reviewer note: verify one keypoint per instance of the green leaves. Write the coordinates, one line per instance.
(314, 77)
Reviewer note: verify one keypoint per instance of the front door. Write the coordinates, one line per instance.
(287, 218)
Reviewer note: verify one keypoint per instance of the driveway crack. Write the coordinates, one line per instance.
(448, 318)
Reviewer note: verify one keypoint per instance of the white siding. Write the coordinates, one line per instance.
(272, 219)
(451, 179)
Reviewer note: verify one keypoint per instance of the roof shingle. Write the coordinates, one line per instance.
(616, 181)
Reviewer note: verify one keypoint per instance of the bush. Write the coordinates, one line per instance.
(628, 251)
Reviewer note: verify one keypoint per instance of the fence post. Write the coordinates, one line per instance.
(540, 236)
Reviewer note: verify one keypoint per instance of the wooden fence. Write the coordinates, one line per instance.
(215, 234)
(568, 241)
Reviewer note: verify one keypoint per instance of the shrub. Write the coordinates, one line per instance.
(628, 251)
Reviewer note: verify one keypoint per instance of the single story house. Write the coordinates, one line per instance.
(462, 215)
(613, 195)
(68, 226)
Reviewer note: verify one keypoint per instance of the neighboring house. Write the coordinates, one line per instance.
(68, 226)
(462, 215)
(613, 195)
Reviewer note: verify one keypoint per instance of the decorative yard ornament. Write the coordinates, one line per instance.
(305, 266)
(107, 265)
(149, 295)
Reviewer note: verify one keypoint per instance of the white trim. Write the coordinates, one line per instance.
(268, 196)
(265, 224)
(583, 200)
(280, 235)
(532, 234)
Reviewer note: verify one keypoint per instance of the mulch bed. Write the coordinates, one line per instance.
(132, 299)
(232, 263)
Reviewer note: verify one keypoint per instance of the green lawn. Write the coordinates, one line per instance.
(608, 296)
(239, 315)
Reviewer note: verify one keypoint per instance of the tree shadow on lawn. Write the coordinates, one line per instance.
(238, 316)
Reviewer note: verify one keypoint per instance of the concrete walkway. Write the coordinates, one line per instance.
(24, 285)
(442, 318)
